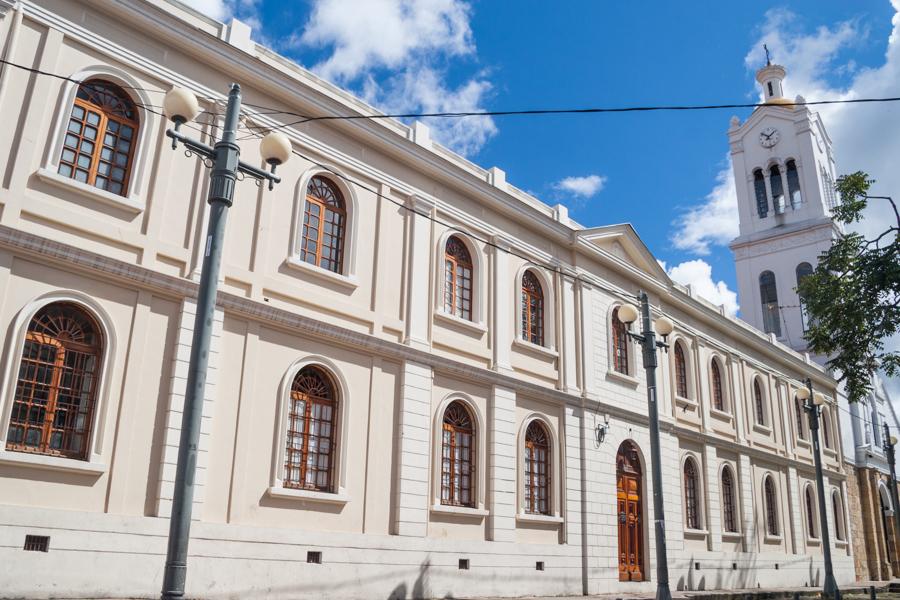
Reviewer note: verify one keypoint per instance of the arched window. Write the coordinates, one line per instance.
(532, 309)
(691, 494)
(620, 343)
(762, 199)
(777, 189)
(771, 501)
(826, 437)
(100, 137)
(729, 514)
(811, 529)
(793, 180)
(56, 390)
(769, 296)
(311, 423)
(759, 403)
(717, 393)
(798, 407)
(458, 456)
(457, 279)
(804, 270)
(324, 224)
(837, 508)
(537, 469)
(681, 385)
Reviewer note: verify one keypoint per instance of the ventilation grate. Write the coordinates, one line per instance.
(464, 564)
(539, 565)
(37, 543)
(314, 557)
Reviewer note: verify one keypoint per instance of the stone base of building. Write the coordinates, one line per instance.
(114, 556)
(873, 525)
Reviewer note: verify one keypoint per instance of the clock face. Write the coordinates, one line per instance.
(768, 137)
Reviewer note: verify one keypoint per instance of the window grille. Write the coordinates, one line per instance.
(620, 343)
(758, 400)
(729, 519)
(312, 416)
(537, 469)
(324, 223)
(532, 309)
(718, 396)
(458, 456)
(810, 515)
(681, 386)
(37, 543)
(771, 507)
(692, 514)
(457, 279)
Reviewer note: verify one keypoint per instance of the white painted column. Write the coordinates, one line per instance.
(588, 368)
(504, 301)
(574, 493)
(418, 290)
(798, 541)
(737, 397)
(713, 502)
(502, 471)
(569, 350)
(177, 389)
(704, 396)
(411, 516)
(748, 508)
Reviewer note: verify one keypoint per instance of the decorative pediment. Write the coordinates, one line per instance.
(623, 243)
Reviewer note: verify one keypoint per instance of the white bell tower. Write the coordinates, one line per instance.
(784, 174)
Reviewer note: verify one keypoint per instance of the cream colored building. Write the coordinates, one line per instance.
(424, 397)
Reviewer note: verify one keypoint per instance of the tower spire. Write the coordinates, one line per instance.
(768, 59)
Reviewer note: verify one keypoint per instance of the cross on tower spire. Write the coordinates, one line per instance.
(768, 59)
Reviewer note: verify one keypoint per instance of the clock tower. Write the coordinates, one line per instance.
(784, 176)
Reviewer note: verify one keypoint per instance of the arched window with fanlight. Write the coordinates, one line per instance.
(457, 279)
(718, 395)
(311, 427)
(458, 456)
(537, 469)
(532, 309)
(803, 271)
(56, 388)
(759, 402)
(324, 225)
(771, 505)
(810, 504)
(768, 293)
(620, 343)
(729, 510)
(762, 198)
(691, 494)
(681, 382)
(793, 181)
(100, 137)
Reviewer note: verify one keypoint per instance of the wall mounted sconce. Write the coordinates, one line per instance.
(601, 429)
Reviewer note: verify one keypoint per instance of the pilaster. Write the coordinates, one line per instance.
(586, 366)
(749, 517)
(502, 465)
(713, 499)
(569, 350)
(411, 514)
(418, 289)
(798, 537)
(501, 324)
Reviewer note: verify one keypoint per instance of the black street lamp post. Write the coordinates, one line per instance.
(812, 404)
(647, 338)
(181, 106)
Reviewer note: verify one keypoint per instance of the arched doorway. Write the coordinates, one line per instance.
(630, 512)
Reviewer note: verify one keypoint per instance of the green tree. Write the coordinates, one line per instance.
(853, 296)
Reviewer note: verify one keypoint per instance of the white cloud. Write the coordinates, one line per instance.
(715, 222)
(698, 274)
(223, 10)
(581, 187)
(394, 53)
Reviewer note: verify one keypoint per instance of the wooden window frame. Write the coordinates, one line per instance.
(455, 469)
(759, 403)
(310, 403)
(809, 502)
(717, 389)
(60, 368)
(329, 213)
(729, 512)
(537, 464)
(620, 344)
(532, 297)
(102, 128)
(681, 381)
(458, 271)
(691, 494)
(770, 497)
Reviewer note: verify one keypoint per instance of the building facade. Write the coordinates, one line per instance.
(784, 168)
(418, 383)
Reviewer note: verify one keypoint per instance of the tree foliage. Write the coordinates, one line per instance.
(853, 296)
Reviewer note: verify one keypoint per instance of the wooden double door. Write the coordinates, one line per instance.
(630, 513)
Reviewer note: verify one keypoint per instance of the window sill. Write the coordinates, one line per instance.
(479, 328)
(460, 511)
(347, 282)
(686, 403)
(771, 539)
(128, 203)
(529, 347)
(529, 518)
(277, 491)
(803, 443)
(622, 378)
(813, 541)
(720, 414)
(762, 429)
(51, 463)
(695, 533)
(840, 543)
(733, 536)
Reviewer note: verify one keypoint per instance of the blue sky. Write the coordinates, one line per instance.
(666, 173)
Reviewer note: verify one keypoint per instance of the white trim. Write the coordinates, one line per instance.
(132, 205)
(555, 454)
(336, 177)
(622, 377)
(341, 438)
(51, 463)
(463, 511)
(529, 518)
(146, 124)
(550, 339)
(481, 450)
(526, 346)
(294, 262)
(440, 315)
(479, 278)
(14, 358)
(308, 495)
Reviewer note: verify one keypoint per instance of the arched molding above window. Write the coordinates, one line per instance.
(728, 467)
(148, 125)
(759, 401)
(632, 348)
(839, 516)
(724, 364)
(341, 438)
(691, 460)
(94, 457)
(347, 277)
(549, 303)
(480, 461)
(686, 345)
(479, 278)
(771, 507)
(555, 472)
(811, 513)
